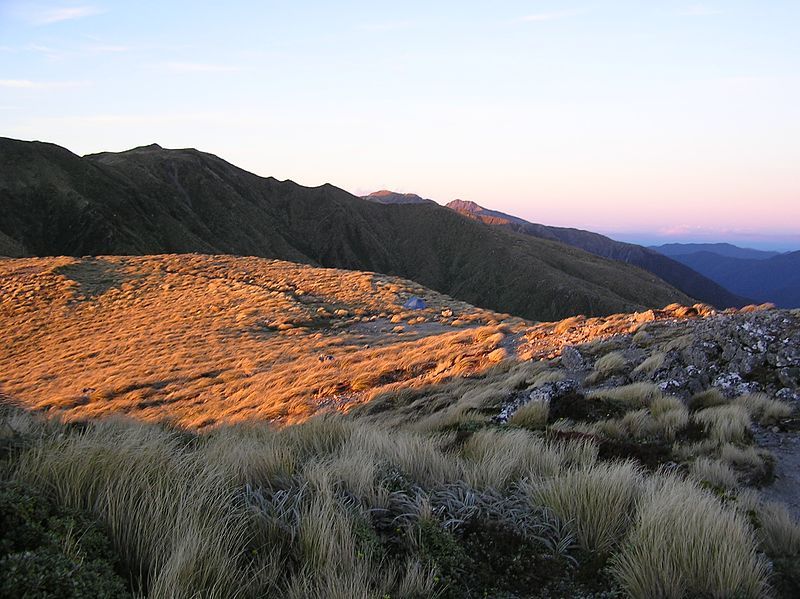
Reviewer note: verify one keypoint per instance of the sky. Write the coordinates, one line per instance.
(651, 121)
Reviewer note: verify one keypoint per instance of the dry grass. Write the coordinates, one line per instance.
(202, 519)
(710, 398)
(763, 408)
(213, 339)
(779, 532)
(684, 543)
(283, 512)
(725, 424)
(629, 396)
(532, 415)
(611, 363)
(210, 340)
(716, 473)
(651, 364)
(665, 417)
(549, 376)
(597, 501)
(679, 343)
(495, 459)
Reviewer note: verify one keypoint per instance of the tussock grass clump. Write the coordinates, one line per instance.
(613, 428)
(597, 502)
(496, 458)
(565, 325)
(725, 424)
(763, 408)
(710, 398)
(670, 416)
(778, 531)
(642, 337)
(650, 364)
(549, 376)
(749, 459)
(665, 417)
(532, 415)
(716, 473)
(634, 395)
(611, 363)
(679, 343)
(684, 543)
(167, 513)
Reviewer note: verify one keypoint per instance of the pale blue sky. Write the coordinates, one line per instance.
(641, 118)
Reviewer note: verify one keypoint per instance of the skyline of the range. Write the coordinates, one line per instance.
(649, 122)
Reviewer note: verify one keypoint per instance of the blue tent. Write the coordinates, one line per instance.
(415, 303)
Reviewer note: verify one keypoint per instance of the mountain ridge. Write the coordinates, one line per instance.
(775, 279)
(723, 249)
(153, 201)
(674, 272)
(384, 196)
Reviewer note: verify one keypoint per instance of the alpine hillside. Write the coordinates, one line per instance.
(150, 200)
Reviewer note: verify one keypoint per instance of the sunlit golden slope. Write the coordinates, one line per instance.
(206, 339)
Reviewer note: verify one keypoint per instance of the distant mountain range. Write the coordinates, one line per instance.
(721, 249)
(150, 200)
(673, 272)
(764, 276)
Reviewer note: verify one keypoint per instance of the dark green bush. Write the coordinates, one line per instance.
(50, 552)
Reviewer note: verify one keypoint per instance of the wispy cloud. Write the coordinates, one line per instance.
(51, 15)
(196, 67)
(28, 84)
(699, 10)
(551, 16)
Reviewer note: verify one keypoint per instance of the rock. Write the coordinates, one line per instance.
(546, 393)
(790, 377)
(572, 359)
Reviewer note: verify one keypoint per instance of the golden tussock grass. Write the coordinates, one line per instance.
(763, 408)
(597, 501)
(213, 339)
(725, 424)
(650, 364)
(209, 340)
(709, 398)
(288, 512)
(778, 531)
(716, 473)
(632, 395)
(532, 415)
(683, 542)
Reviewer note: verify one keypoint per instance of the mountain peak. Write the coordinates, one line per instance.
(465, 206)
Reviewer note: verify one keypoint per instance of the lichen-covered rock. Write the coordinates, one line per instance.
(572, 359)
(546, 394)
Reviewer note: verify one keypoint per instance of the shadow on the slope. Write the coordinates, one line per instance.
(94, 276)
